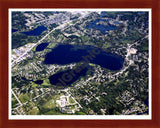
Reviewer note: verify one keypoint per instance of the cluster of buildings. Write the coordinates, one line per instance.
(65, 106)
(20, 53)
(138, 107)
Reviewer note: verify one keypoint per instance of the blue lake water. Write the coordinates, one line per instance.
(141, 12)
(147, 23)
(101, 27)
(116, 22)
(66, 78)
(41, 46)
(66, 54)
(14, 30)
(103, 14)
(147, 101)
(35, 32)
(38, 81)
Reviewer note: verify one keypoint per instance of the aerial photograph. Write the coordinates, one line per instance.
(79, 62)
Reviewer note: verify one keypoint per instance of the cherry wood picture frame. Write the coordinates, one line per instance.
(4, 84)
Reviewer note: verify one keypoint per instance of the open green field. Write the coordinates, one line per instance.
(71, 100)
(24, 98)
(34, 111)
(50, 104)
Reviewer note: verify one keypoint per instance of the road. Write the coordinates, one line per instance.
(127, 57)
(16, 97)
(25, 53)
(59, 27)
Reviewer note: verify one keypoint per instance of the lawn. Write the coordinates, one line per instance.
(34, 111)
(24, 97)
(33, 84)
(50, 104)
(71, 100)
(46, 82)
(14, 102)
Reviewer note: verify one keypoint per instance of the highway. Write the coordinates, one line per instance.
(25, 53)
(59, 27)
(16, 97)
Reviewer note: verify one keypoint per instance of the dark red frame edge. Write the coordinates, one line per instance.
(6, 4)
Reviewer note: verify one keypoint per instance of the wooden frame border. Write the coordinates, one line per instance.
(6, 4)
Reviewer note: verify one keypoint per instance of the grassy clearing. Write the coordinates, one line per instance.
(117, 81)
(34, 111)
(46, 82)
(24, 98)
(50, 104)
(33, 84)
(14, 102)
(51, 45)
(79, 113)
(71, 100)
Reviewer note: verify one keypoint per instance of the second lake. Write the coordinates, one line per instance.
(66, 54)
(35, 32)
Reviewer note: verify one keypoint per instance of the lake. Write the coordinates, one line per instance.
(14, 30)
(116, 22)
(41, 46)
(35, 32)
(66, 54)
(66, 78)
(102, 28)
(141, 12)
(38, 81)
(103, 14)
